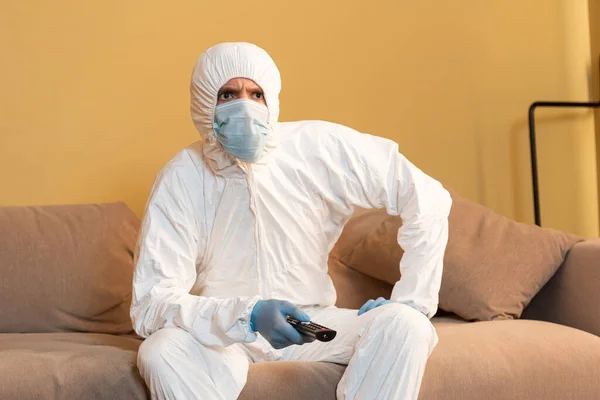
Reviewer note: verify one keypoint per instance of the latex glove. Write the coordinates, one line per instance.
(268, 317)
(371, 304)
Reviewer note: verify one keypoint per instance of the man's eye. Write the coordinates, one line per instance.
(226, 96)
(259, 95)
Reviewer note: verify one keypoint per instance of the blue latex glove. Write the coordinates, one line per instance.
(268, 317)
(371, 304)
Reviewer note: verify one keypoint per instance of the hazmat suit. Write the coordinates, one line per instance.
(220, 234)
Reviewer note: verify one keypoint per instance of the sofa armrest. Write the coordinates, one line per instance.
(572, 296)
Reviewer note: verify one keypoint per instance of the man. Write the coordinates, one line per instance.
(237, 233)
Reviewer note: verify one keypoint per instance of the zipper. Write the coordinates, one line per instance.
(251, 191)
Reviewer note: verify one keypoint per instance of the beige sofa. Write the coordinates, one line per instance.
(65, 332)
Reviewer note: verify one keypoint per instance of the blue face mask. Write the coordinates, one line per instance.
(242, 128)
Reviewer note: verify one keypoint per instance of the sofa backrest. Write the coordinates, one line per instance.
(70, 268)
(66, 268)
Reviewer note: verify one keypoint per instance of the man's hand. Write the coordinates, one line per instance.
(371, 304)
(268, 317)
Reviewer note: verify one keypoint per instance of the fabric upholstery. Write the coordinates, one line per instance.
(491, 360)
(369, 240)
(292, 380)
(69, 366)
(66, 268)
(493, 266)
(512, 359)
(572, 297)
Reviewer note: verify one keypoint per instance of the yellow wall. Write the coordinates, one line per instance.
(594, 13)
(567, 144)
(95, 94)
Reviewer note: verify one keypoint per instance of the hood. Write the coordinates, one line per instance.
(215, 67)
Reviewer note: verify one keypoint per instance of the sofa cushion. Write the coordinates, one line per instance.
(492, 360)
(369, 244)
(66, 268)
(493, 266)
(69, 366)
(512, 359)
(292, 380)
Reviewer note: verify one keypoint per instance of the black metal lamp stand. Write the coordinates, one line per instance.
(532, 145)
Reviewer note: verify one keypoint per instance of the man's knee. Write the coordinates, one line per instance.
(161, 347)
(172, 361)
(407, 325)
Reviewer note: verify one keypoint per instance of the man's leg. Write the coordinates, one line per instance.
(386, 350)
(176, 366)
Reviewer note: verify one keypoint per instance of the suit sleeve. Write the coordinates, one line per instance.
(166, 261)
(371, 173)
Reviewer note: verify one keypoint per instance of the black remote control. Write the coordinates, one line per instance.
(311, 329)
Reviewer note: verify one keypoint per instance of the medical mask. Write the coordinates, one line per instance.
(242, 128)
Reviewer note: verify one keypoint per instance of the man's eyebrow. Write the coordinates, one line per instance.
(231, 88)
(236, 89)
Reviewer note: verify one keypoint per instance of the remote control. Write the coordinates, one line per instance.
(311, 329)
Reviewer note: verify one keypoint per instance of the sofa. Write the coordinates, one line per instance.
(65, 293)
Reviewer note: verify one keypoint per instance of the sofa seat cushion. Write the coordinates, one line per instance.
(512, 359)
(69, 366)
(507, 359)
(290, 380)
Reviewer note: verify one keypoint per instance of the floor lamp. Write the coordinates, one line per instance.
(532, 144)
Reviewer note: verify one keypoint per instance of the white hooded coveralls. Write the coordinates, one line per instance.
(219, 234)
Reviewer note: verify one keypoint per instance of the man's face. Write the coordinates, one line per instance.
(241, 88)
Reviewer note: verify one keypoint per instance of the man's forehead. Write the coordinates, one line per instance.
(239, 82)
